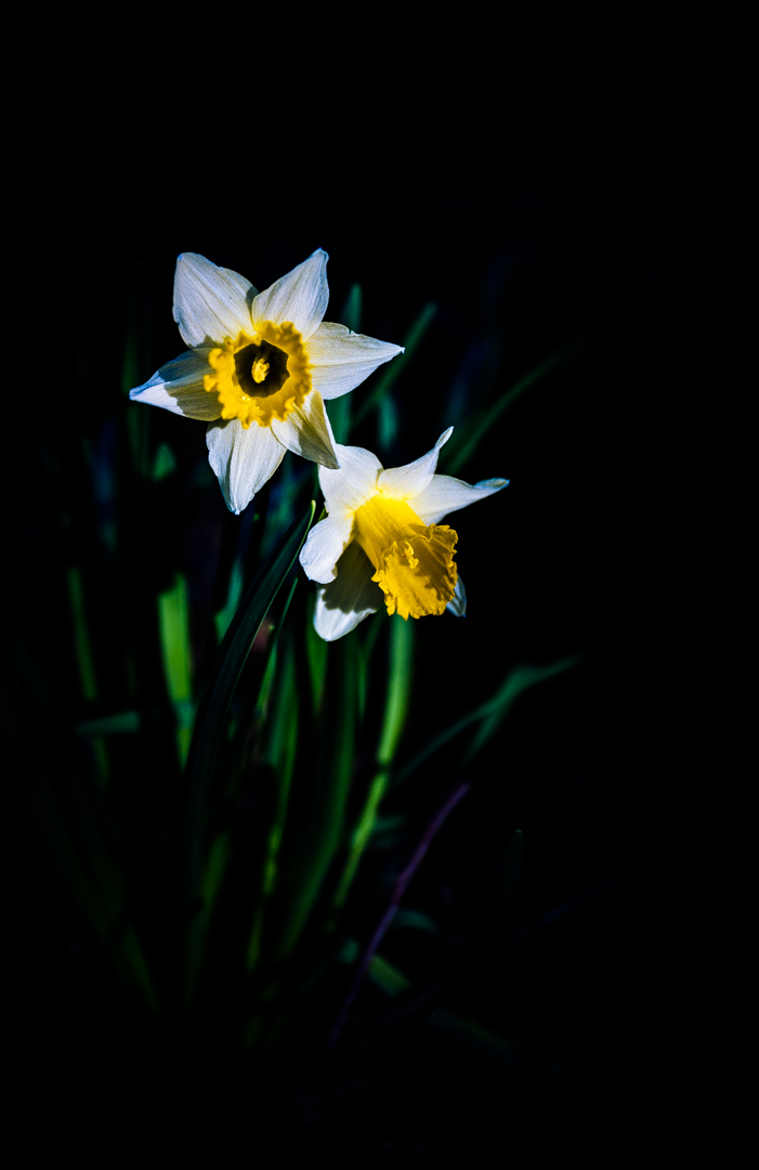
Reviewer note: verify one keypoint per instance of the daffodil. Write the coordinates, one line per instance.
(381, 540)
(259, 368)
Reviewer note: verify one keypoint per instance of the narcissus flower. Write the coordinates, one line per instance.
(382, 541)
(258, 369)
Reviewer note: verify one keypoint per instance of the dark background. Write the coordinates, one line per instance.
(524, 260)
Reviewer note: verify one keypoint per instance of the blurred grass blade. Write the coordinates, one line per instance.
(316, 655)
(351, 314)
(490, 713)
(466, 439)
(210, 722)
(223, 618)
(281, 752)
(82, 644)
(396, 366)
(329, 795)
(399, 889)
(520, 680)
(135, 959)
(123, 723)
(387, 423)
(83, 856)
(216, 864)
(396, 708)
(392, 981)
(174, 629)
(164, 463)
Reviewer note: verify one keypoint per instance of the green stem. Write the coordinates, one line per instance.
(396, 705)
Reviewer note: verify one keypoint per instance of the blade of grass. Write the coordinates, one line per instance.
(174, 629)
(331, 797)
(316, 655)
(398, 891)
(216, 864)
(491, 713)
(396, 366)
(466, 439)
(281, 753)
(210, 722)
(396, 707)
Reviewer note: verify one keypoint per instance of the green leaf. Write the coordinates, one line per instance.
(331, 790)
(351, 314)
(396, 708)
(164, 463)
(392, 981)
(490, 714)
(393, 368)
(123, 723)
(82, 643)
(174, 627)
(316, 654)
(281, 751)
(216, 864)
(415, 920)
(210, 723)
(465, 439)
(223, 618)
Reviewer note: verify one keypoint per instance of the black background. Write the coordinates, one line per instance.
(525, 256)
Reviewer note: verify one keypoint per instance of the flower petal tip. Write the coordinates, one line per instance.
(444, 438)
(493, 484)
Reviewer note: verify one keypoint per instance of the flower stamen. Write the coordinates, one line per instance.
(260, 377)
(414, 561)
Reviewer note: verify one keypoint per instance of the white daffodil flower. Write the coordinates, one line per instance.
(258, 369)
(381, 540)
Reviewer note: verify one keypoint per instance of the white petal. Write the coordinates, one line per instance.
(445, 494)
(353, 482)
(341, 359)
(178, 387)
(307, 432)
(350, 598)
(324, 546)
(300, 297)
(242, 460)
(457, 604)
(404, 483)
(210, 303)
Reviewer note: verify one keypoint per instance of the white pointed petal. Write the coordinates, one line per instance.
(341, 359)
(324, 546)
(178, 387)
(445, 494)
(301, 296)
(353, 482)
(404, 483)
(210, 303)
(307, 432)
(457, 604)
(350, 598)
(242, 460)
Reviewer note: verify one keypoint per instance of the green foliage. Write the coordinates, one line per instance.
(307, 735)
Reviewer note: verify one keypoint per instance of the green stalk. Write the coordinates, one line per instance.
(329, 817)
(283, 742)
(174, 624)
(466, 441)
(396, 706)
